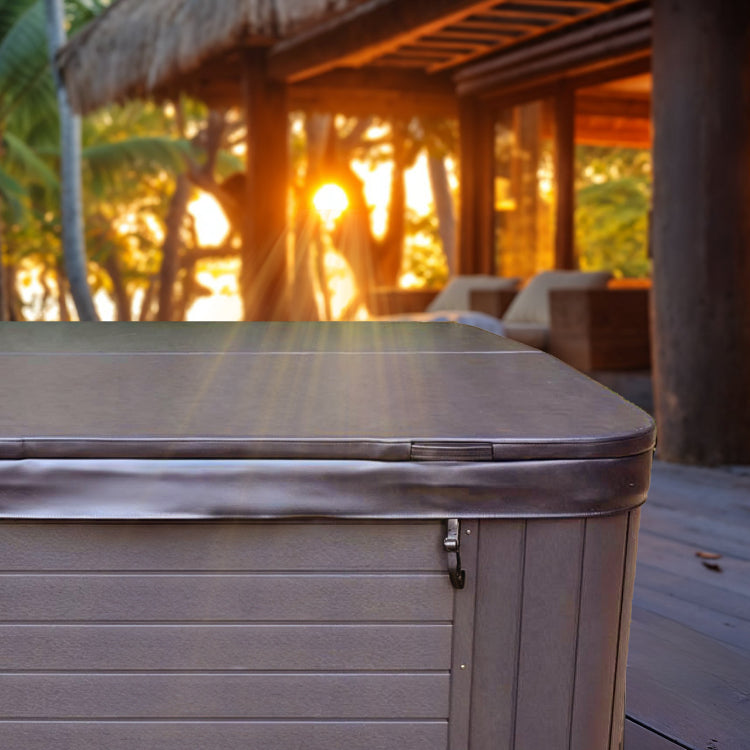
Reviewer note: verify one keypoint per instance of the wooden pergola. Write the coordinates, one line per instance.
(474, 58)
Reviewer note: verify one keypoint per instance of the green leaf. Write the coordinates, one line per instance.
(27, 165)
(109, 163)
(11, 193)
(10, 12)
(25, 78)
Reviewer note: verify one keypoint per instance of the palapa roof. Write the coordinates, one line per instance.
(344, 49)
(139, 48)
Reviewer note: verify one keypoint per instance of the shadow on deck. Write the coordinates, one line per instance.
(688, 680)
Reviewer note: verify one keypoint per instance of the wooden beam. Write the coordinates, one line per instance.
(494, 24)
(376, 91)
(523, 40)
(635, 107)
(594, 130)
(565, 178)
(367, 31)
(701, 230)
(491, 38)
(612, 37)
(263, 278)
(552, 15)
(476, 252)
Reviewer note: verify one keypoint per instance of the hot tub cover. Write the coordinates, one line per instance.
(266, 419)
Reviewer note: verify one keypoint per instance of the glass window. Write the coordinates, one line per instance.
(525, 190)
(613, 177)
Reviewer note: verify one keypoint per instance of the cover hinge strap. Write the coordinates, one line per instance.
(451, 544)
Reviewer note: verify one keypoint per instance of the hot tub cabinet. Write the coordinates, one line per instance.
(354, 537)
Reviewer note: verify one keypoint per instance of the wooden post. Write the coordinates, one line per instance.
(476, 251)
(565, 177)
(701, 230)
(263, 279)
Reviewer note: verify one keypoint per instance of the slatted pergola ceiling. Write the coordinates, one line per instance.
(429, 40)
(473, 34)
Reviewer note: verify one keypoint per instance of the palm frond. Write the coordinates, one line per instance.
(10, 11)
(25, 164)
(108, 162)
(11, 194)
(25, 76)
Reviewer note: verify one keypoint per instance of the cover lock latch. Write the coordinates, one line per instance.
(451, 543)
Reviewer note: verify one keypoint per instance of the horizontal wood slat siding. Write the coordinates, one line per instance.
(224, 647)
(224, 636)
(235, 735)
(252, 598)
(164, 696)
(221, 546)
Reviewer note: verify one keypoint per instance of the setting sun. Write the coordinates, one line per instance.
(330, 202)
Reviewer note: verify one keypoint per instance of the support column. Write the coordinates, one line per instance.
(565, 177)
(701, 230)
(476, 247)
(264, 275)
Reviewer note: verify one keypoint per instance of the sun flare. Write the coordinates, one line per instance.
(330, 202)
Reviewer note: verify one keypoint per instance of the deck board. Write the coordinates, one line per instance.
(689, 661)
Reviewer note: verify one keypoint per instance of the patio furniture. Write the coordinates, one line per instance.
(394, 301)
(600, 329)
(527, 319)
(457, 293)
(454, 296)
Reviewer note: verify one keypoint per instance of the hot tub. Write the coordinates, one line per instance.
(355, 536)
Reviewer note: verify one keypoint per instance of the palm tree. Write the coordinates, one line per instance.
(122, 146)
(74, 249)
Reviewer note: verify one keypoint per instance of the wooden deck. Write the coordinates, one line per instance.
(689, 663)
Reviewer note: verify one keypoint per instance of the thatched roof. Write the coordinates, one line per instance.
(139, 48)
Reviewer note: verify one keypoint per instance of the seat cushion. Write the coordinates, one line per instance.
(466, 317)
(531, 304)
(456, 293)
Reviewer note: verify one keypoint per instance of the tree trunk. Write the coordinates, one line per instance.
(391, 247)
(701, 230)
(3, 290)
(446, 216)
(70, 167)
(62, 291)
(147, 303)
(119, 290)
(171, 248)
(13, 301)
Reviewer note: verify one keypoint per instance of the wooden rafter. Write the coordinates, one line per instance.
(591, 9)
(368, 31)
(439, 33)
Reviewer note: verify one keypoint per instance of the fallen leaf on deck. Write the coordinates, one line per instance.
(707, 555)
(713, 566)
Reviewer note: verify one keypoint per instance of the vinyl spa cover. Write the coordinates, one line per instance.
(266, 420)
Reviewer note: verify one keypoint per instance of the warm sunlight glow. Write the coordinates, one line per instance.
(410, 281)
(224, 303)
(330, 202)
(131, 224)
(210, 223)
